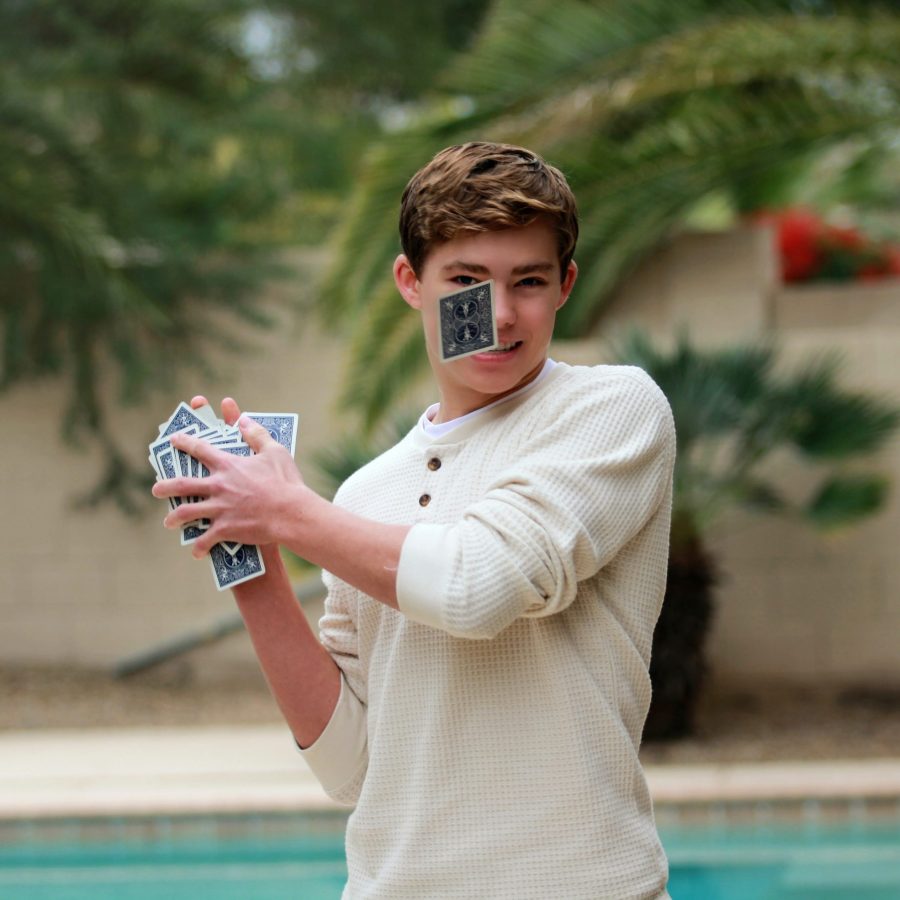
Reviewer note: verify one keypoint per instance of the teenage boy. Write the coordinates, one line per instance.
(494, 579)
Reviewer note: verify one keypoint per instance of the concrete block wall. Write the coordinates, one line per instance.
(90, 588)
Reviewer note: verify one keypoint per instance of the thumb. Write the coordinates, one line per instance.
(254, 434)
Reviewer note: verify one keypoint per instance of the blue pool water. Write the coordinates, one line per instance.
(276, 857)
(849, 861)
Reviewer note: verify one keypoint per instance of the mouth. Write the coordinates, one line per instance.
(508, 347)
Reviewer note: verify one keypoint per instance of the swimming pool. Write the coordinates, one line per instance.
(728, 854)
(261, 857)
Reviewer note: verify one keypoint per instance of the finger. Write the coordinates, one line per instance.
(199, 449)
(184, 515)
(254, 434)
(198, 401)
(204, 544)
(231, 412)
(181, 487)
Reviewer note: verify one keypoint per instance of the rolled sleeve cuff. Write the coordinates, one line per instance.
(340, 751)
(423, 575)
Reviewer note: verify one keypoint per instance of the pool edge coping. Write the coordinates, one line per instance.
(246, 769)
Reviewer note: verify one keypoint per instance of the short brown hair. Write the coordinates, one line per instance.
(482, 186)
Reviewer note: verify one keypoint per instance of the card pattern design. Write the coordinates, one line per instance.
(282, 427)
(232, 569)
(467, 322)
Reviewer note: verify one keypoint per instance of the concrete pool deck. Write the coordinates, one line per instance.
(168, 771)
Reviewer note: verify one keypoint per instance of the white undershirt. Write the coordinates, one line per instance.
(441, 428)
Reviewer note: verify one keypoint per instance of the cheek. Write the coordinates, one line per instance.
(541, 315)
(429, 329)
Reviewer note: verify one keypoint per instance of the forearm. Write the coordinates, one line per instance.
(360, 552)
(301, 674)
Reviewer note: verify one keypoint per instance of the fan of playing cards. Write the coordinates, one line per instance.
(232, 564)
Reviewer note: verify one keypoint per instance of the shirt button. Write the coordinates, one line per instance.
(434, 463)
(425, 499)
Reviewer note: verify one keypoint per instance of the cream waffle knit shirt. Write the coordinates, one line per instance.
(487, 734)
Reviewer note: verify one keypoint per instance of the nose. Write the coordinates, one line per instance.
(504, 308)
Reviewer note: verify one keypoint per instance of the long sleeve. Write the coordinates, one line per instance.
(583, 485)
(340, 755)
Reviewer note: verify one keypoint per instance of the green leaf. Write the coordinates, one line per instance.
(845, 499)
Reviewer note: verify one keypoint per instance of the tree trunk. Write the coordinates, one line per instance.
(678, 662)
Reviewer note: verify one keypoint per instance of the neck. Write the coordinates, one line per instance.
(454, 408)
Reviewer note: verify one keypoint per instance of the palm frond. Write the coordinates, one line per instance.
(734, 407)
(846, 499)
(832, 424)
(367, 242)
(648, 107)
(382, 370)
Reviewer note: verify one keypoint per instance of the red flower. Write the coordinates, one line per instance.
(894, 260)
(847, 238)
(812, 250)
(871, 272)
(799, 233)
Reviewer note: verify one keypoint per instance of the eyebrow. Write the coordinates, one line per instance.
(479, 269)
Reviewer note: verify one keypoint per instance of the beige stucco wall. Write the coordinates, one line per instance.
(91, 588)
(792, 604)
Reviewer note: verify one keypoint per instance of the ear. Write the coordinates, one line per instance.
(407, 282)
(567, 283)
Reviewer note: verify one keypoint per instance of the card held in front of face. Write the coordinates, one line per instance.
(467, 322)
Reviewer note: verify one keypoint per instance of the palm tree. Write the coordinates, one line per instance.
(733, 410)
(651, 108)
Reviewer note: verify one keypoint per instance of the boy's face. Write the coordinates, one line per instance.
(528, 291)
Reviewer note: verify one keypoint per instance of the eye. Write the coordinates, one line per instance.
(532, 281)
(464, 280)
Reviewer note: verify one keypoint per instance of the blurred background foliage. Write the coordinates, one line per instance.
(156, 156)
(661, 114)
(737, 409)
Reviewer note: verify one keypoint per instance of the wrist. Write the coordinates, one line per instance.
(262, 586)
(295, 517)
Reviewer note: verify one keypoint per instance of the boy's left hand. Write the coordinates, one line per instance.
(245, 498)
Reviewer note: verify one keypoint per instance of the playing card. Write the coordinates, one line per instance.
(281, 426)
(168, 468)
(182, 462)
(166, 462)
(467, 322)
(230, 570)
(232, 563)
(193, 530)
(236, 449)
(164, 443)
(207, 415)
(181, 419)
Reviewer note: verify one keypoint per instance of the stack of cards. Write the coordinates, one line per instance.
(467, 322)
(231, 563)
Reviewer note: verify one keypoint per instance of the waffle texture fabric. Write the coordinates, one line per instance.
(487, 734)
